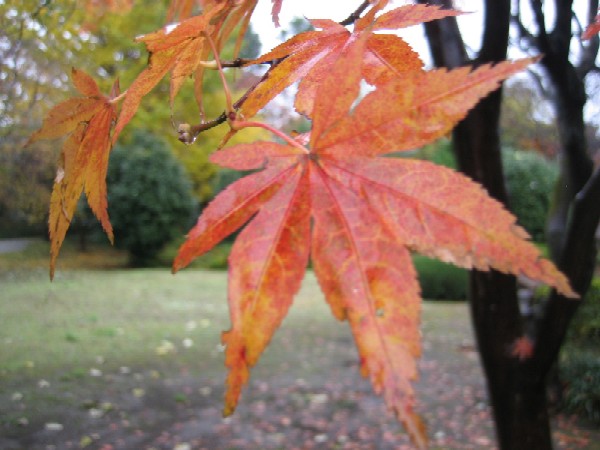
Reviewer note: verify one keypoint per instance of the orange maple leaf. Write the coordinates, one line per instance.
(182, 50)
(87, 121)
(368, 212)
(593, 29)
(522, 348)
(310, 56)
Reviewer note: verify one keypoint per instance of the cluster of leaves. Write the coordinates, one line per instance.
(330, 194)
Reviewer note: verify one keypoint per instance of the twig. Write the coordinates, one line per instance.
(189, 133)
(356, 14)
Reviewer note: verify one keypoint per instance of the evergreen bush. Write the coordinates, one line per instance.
(530, 181)
(149, 196)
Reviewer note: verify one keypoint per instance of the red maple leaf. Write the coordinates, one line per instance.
(593, 29)
(359, 215)
(522, 348)
(310, 56)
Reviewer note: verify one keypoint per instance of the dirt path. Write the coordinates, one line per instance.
(14, 245)
(333, 408)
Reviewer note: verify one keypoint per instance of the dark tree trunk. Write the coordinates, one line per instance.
(517, 395)
(576, 211)
(569, 98)
(517, 388)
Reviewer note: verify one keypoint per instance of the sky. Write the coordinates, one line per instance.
(339, 10)
(470, 25)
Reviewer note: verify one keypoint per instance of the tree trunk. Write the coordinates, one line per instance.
(576, 211)
(517, 394)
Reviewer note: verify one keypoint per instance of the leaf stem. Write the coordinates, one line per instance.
(228, 103)
(118, 98)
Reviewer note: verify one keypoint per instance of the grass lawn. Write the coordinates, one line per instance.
(120, 357)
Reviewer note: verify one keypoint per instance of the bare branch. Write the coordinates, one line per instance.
(542, 39)
(356, 14)
(589, 51)
(188, 133)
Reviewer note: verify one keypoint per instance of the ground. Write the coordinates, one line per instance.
(131, 360)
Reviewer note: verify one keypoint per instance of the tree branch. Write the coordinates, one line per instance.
(560, 310)
(589, 52)
(356, 14)
(542, 39)
(188, 133)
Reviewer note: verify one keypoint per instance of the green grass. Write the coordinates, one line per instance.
(138, 320)
(118, 317)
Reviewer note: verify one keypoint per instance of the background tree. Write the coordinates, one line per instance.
(518, 386)
(333, 191)
(41, 42)
(38, 40)
(526, 119)
(149, 196)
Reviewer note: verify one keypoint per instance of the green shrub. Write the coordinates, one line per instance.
(441, 281)
(530, 181)
(149, 197)
(439, 152)
(584, 329)
(580, 373)
(215, 259)
(580, 358)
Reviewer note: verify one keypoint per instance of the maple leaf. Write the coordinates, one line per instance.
(182, 50)
(426, 106)
(311, 55)
(522, 348)
(592, 29)
(175, 50)
(84, 159)
(181, 9)
(275, 11)
(96, 10)
(368, 213)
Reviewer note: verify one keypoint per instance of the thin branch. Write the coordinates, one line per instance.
(356, 14)
(590, 50)
(188, 133)
(542, 37)
(538, 80)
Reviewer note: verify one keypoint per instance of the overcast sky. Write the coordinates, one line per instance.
(470, 24)
(339, 10)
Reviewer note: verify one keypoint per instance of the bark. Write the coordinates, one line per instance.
(576, 211)
(517, 388)
(569, 98)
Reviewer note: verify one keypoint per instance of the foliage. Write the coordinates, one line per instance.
(150, 196)
(25, 175)
(439, 152)
(522, 127)
(580, 372)
(331, 194)
(584, 329)
(440, 281)
(530, 181)
(580, 360)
